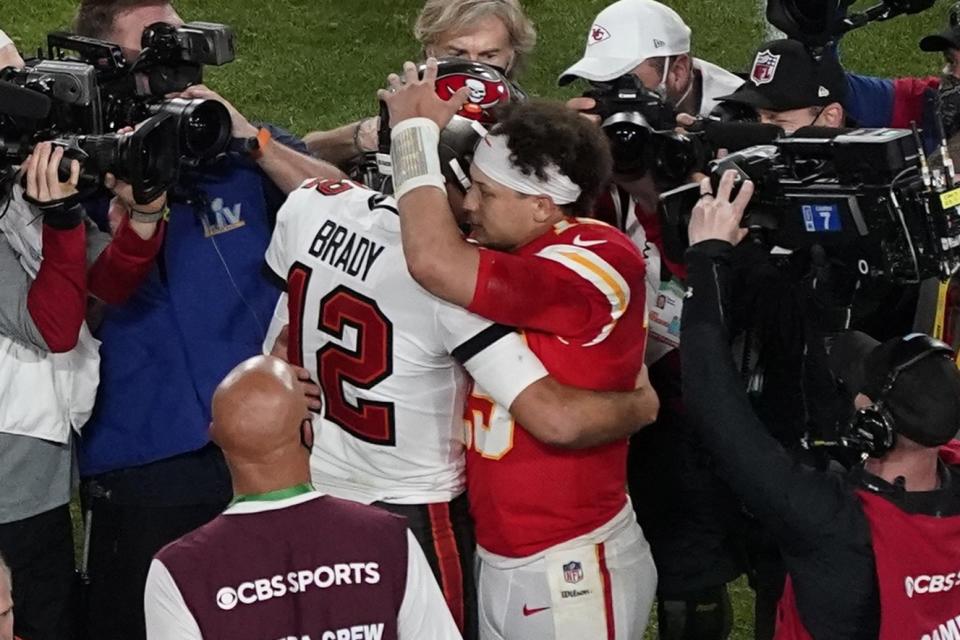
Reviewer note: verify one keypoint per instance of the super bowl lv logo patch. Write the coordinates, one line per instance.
(220, 218)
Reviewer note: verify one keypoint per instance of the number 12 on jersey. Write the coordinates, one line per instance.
(363, 367)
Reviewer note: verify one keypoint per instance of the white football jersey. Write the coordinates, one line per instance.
(385, 353)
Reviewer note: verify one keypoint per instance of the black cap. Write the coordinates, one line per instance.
(946, 39)
(925, 397)
(785, 76)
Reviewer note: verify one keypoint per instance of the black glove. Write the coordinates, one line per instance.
(65, 213)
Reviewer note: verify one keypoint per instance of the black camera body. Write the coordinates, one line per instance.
(202, 43)
(79, 102)
(171, 59)
(819, 23)
(70, 88)
(641, 128)
(863, 195)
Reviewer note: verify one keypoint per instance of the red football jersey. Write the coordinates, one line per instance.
(578, 292)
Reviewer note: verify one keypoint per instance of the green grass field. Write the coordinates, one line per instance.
(309, 64)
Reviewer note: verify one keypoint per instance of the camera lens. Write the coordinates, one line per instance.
(628, 145)
(205, 130)
(203, 127)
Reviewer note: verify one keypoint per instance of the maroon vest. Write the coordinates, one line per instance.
(918, 571)
(321, 566)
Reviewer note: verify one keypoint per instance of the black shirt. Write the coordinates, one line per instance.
(815, 516)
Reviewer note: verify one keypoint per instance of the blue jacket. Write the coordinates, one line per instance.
(894, 102)
(204, 308)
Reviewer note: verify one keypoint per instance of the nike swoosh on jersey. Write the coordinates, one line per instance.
(527, 611)
(578, 241)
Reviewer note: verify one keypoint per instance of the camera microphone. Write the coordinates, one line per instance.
(18, 102)
(736, 136)
(820, 133)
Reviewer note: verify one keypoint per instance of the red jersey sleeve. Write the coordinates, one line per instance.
(576, 291)
(124, 264)
(910, 98)
(58, 296)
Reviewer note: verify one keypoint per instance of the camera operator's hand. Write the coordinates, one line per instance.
(413, 97)
(718, 218)
(583, 105)
(124, 196)
(241, 127)
(43, 185)
(125, 205)
(685, 120)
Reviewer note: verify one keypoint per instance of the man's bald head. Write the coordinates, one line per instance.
(258, 410)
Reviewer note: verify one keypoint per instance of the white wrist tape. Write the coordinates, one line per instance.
(415, 159)
(4, 39)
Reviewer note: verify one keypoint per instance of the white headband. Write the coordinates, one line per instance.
(493, 158)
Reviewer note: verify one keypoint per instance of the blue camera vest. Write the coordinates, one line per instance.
(204, 308)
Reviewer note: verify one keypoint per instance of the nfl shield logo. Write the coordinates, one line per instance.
(573, 572)
(764, 68)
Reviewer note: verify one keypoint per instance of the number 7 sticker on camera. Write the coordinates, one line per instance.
(818, 218)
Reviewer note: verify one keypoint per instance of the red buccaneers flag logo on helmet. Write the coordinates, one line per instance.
(485, 94)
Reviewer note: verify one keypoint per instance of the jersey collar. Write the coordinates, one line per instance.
(273, 496)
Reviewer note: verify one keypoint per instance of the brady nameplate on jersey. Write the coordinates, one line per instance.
(345, 249)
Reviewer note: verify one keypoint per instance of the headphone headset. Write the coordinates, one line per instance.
(871, 429)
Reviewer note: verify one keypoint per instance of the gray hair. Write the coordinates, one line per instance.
(439, 17)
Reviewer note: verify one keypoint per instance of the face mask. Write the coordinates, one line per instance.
(817, 117)
(662, 87)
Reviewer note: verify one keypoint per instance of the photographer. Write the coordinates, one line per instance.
(839, 533)
(788, 87)
(787, 305)
(650, 40)
(494, 32)
(944, 92)
(150, 472)
(49, 373)
(684, 510)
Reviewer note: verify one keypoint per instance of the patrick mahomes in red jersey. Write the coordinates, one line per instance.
(561, 553)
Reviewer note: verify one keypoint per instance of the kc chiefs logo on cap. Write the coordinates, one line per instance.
(764, 68)
(597, 34)
(484, 95)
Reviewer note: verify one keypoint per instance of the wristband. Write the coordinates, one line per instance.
(63, 216)
(144, 216)
(414, 156)
(253, 146)
(262, 140)
(4, 39)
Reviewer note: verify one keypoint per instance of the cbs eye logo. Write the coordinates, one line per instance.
(227, 598)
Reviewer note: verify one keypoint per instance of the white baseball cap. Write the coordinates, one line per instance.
(625, 34)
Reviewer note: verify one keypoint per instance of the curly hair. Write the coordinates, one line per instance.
(95, 18)
(541, 133)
